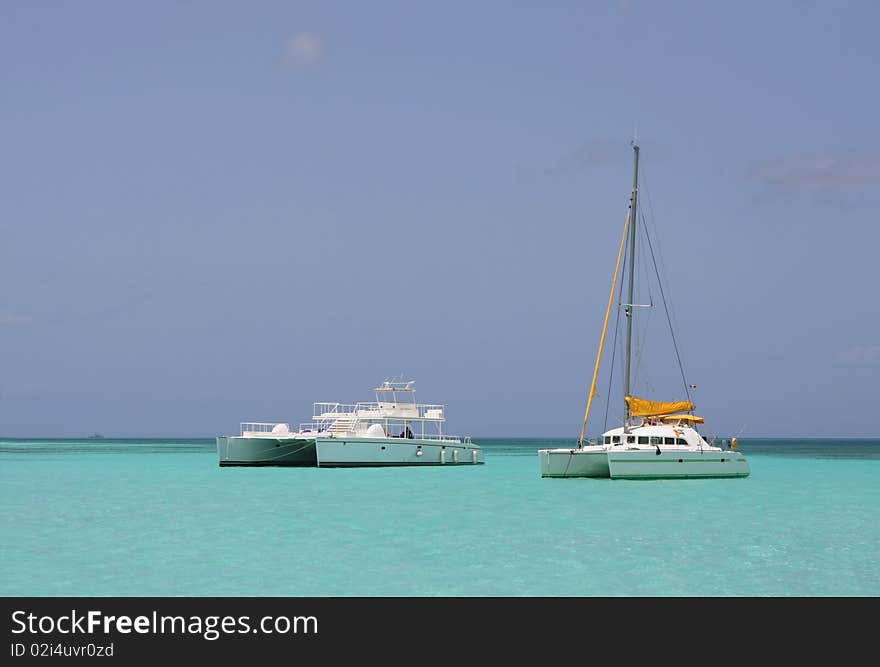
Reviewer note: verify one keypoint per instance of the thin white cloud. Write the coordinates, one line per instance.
(819, 172)
(13, 320)
(587, 155)
(859, 355)
(302, 50)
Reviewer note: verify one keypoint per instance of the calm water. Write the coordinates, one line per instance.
(160, 518)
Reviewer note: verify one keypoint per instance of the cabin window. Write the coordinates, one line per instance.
(643, 440)
(680, 441)
(615, 439)
(607, 439)
(655, 440)
(669, 441)
(631, 439)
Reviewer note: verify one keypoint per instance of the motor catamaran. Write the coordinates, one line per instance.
(392, 431)
(657, 439)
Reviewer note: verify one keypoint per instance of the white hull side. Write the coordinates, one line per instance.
(573, 463)
(647, 464)
(238, 451)
(376, 452)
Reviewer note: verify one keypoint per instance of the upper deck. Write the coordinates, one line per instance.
(394, 400)
(394, 409)
(379, 410)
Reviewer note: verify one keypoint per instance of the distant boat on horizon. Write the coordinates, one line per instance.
(96, 436)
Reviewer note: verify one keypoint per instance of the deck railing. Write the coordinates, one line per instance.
(432, 437)
(324, 412)
(249, 429)
(260, 427)
(321, 409)
(267, 428)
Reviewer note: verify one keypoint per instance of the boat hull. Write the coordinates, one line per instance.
(239, 451)
(348, 452)
(647, 464)
(573, 463)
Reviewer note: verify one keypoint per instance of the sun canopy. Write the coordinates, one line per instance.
(683, 418)
(642, 407)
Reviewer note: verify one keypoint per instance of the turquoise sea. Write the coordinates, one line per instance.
(161, 518)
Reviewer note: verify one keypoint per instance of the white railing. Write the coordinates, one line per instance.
(321, 410)
(422, 408)
(340, 418)
(434, 437)
(261, 427)
(264, 429)
(432, 411)
(324, 411)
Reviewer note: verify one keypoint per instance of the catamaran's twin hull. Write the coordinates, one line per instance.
(355, 452)
(642, 463)
(237, 451)
(573, 463)
(345, 452)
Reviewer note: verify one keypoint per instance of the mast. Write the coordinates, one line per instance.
(628, 306)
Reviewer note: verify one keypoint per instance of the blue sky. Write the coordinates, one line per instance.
(216, 212)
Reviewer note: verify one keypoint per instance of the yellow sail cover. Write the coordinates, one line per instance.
(642, 407)
(683, 418)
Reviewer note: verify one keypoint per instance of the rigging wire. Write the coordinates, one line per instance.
(626, 228)
(614, 342)
(662, 264)
(613, 357)
(666, 308)
(621, 313)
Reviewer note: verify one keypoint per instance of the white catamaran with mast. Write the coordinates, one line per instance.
(657, 439)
